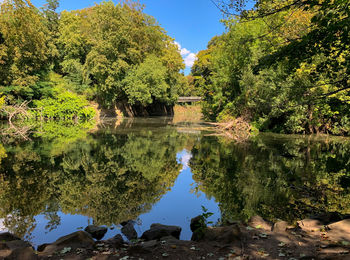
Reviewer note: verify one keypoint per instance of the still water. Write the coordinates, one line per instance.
(157, 171)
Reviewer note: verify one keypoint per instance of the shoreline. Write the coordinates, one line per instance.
(324, 237)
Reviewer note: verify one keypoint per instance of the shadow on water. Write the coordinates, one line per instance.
(68, 176)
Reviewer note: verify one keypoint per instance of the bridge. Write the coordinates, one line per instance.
(188, 99)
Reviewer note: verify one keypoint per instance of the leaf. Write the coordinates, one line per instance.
(345, 243)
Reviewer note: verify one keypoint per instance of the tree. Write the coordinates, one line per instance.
(24, 48)
(106, 46)
(282, 66)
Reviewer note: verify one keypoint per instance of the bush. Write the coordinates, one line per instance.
(66, 105)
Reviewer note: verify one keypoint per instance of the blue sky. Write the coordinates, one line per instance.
(192, 23)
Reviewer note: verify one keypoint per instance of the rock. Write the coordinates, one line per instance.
(310, 225)
(280, 227)
(197, 222)
(157, 231)
(15, 244)
(259, 222)
(149, 244)
(170, 240)
(77, 239)
(14, 249)
(124, 223)
(3, 246)
(225, 235)
(129, 231)
(116, 241)
(5, 237)
(42, 247)
(26, 253)
(138, 249)
(96, 232)
(339, 230)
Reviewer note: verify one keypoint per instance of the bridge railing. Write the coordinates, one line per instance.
(188, 99)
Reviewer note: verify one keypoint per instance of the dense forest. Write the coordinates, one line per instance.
(107, 53)
(284, 66)
(281, 66)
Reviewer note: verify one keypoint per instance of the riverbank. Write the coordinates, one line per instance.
(317, 238)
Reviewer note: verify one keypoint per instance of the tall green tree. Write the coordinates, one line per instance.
(283, 66)
(24, 45)
(107, 45)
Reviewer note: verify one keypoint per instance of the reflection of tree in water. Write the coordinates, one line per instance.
(119, 177)
(277, 177)
(108, 177)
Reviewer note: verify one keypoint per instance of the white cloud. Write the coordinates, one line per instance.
(188, 56)
(190, 59)
(178, 45)
(184, 52)
(185, 159)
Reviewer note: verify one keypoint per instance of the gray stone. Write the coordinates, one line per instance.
(129, 231)
(5, 237)
(96, 231)
(157, 231)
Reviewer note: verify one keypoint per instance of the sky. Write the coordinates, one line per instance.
(192, 23)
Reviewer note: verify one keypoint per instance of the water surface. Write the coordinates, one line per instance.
(154, 171)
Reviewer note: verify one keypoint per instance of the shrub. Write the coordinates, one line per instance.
(66, 105)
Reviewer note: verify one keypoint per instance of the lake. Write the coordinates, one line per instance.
(153, 170)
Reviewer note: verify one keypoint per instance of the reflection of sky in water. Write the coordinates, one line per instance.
(177, 207)
(2, 226)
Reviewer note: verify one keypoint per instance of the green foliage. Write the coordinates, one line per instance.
(146, 82)
(121, 52)
(283, 67)
(24, 45)
(108, 53)
(205, 215)
(2, 153)
(2, 100)
(65, 105)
